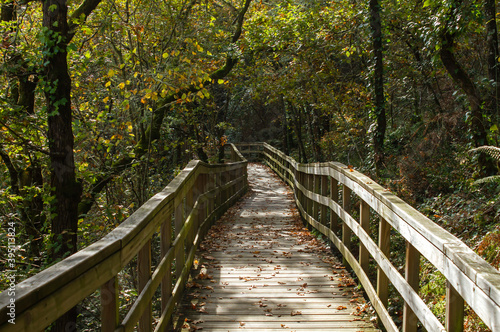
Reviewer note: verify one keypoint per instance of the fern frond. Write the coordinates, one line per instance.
(493, 151)
(488, 179)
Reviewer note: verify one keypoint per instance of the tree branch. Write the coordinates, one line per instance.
(85, 9)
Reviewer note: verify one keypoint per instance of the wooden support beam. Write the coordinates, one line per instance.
(346, 231)
(384, 243)
(316, 188)
(454, 310)
(324, 192)
(334, 195)
(144, 274)
(179, 222)
(109, 306)
(166, 241)
(364, 221)
(412, 271)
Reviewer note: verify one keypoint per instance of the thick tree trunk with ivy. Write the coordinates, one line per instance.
(66, 190)
(378, 80)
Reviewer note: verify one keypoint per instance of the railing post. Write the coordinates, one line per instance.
(144, 274)
(364, 222)
(346, 231)
(109, 305)
(334, 195)
(310, 186)
(454, 310)
(384, 243)
(178, 223)
(187, 210)
(316, 189)
(166, 241)
(324, 192)
(412, 270)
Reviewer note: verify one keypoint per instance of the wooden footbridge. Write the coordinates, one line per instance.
(258, 269)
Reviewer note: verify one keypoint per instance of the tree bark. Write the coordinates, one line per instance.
(379, 107)
(65, 189)
(493, 67)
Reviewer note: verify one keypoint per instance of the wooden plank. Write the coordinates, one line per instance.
(384, 243)
(334, 196)
(364, 256)
(144, 275)
(412, 270)
(454, 310)
(346, 205)
(109, 305)
(166, 239)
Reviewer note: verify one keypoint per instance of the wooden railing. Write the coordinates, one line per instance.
(183, 211)
(469, 277)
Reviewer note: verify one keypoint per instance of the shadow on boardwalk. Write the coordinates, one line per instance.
(259, 269)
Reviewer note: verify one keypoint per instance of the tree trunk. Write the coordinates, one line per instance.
(463, 80)
(379, 109)
(298, 133)
(493, 67)
(65, 189)
(286, 148)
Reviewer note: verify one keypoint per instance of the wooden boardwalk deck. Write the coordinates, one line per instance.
(259, 269)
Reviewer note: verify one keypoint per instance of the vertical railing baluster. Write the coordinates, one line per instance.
(364, 222)
(109, 305)
(316, 189)
(384, 243)
(346, 231)
(454, 310)
(144, 274)
(310, 184)
(412, 270)
(324, 192)
(166, 241)
(178, 223)
(188, 208)
(334, 195)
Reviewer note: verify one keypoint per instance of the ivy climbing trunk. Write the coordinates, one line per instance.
(66, 190)
(379, 107)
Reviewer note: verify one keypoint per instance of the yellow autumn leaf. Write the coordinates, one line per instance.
(108, 84)
(200, 94)
(111, 73)
(105, 100)
(121, 85)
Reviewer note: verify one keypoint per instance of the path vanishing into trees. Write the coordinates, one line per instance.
(259, 268)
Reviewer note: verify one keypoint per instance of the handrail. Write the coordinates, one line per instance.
(186, 208)
(469, 277)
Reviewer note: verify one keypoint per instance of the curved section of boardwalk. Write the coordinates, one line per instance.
(259, 269)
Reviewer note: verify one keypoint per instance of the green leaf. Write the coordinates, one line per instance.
(427, 3)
